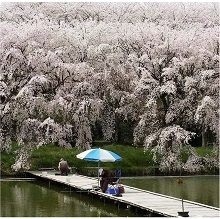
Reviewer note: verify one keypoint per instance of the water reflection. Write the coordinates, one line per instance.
(35, 199)
(202, 189)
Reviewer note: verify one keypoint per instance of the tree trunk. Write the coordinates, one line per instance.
(116, 128)
(204, 137)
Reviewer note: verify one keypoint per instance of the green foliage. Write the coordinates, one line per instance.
(131, 156)
(184, 154)
(49, 156)
(203, 151)
(134, 160)
(8, 159)
(126, 130)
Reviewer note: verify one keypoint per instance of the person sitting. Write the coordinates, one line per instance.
(107, 177)
(63, 167)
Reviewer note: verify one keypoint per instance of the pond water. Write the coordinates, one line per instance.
(202, 189)
(35, 199)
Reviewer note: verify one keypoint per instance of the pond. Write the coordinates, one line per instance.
(35, 199)
(202, 189)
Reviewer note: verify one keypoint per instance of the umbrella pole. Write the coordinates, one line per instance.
(98, 174)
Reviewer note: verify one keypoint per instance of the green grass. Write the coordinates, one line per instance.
(49, 156)
(8, 159)
(134, 160)
(203, 151)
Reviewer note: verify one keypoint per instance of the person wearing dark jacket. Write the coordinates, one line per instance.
(63, 167)
(107, 177)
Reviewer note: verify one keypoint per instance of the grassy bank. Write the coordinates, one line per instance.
(134, 162)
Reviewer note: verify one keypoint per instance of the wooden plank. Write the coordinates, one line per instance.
(150, 201)
(169, 205)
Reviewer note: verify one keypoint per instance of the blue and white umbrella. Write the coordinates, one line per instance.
(99, 155)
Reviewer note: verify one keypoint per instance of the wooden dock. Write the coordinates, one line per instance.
(149, 203)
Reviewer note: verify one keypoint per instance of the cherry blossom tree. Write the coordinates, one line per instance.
(70, 68)
(169, 100)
